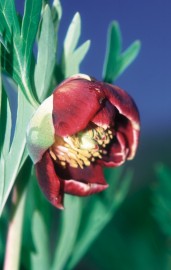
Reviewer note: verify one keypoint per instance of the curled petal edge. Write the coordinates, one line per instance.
(126, 107)
(82, 189)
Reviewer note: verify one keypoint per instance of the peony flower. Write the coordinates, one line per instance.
(84, 126)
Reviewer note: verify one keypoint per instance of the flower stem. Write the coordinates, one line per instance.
(12, 257)
(14, 236)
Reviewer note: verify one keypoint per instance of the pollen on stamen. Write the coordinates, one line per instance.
(63, 163)
(53, 155)
(82, 148)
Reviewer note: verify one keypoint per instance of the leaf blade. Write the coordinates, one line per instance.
(38, 219)
(7, 8)
(72, 57)
(162, 198)
(114, 45)
(128, 56)
(73, 63)
(29, 28)
(39, 258)
(2, 182)
(102, 210)
(67, 240)
(17, 146)
(16, 61)
(46, 55)
(72, 35)
(116, 62)
(56, 14)
(5, 125)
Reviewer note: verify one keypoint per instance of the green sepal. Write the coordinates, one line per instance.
(40, 130)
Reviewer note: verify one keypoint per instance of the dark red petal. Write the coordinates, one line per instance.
(74, 104)
(131, 135)
(49, 181)
(105, 116)
(86, 181)
(126, 107)
(81, 189)
(117, 153)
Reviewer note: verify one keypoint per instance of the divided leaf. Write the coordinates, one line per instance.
(37, 226)
(69, 229)
(116, 62)
(98, 211)
(80, 226)
(73, 35)
(56, 14)
(5, 123)
(17, 60)
(40, 257)
(113, 50)
(29, 28)
(128, 56)
(10, 23)
(46, 55)
(72, 57)
(14, 158)
(2, 182)
(5, 134)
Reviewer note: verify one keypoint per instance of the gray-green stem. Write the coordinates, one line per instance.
(13, 246)
(14, 236)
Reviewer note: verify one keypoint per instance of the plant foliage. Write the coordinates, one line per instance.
(34, 74)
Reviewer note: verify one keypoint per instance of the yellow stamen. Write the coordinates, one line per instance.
(53, 155)
(82, 148)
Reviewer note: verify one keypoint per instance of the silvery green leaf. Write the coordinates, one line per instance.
(113, 50)
(98, 211)
(29, 28)
(74, 61)
(46, 55)
(5, 124)
(17, 60)
(17, 149)
(5, 135)
(128, 56)
(10, 21)
(56, 14)
(115, 61)
(38, 218)
(40, 257)
(69, 229)
(5, 121)
(72, 35)
(2, 182)
(72, 56)
(3, 43)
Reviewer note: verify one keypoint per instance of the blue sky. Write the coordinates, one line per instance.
(148, 80)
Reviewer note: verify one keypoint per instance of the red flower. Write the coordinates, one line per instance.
(83, 126)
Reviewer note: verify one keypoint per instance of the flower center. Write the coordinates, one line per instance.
(82, 148)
